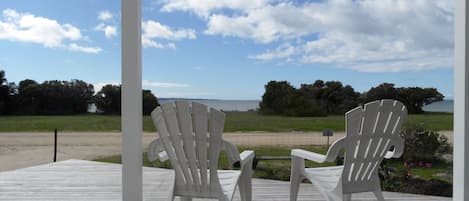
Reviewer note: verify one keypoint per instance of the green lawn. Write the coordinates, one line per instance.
(235, 121)
(439, 167)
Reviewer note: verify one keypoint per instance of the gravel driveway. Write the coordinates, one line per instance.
(18, 150)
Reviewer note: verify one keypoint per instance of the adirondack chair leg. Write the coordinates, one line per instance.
(242, 188)
(347, 197)
(245, 183)
(379, 195)
(298, 165)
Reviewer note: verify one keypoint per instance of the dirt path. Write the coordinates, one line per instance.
(19, 150)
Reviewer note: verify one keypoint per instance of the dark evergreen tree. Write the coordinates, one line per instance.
(108, 100)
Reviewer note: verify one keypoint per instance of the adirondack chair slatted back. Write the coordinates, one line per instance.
(192, 138)
(371, 131)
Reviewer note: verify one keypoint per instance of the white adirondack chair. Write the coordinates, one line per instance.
(191, 137)
(372, 133)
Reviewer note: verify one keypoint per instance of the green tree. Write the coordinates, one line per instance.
(317, 99)
(64, 97)
(414, 98)
(81, 94)
(331, 97)
(302, 107)
(277, 98)
(4, 93)
(382, 91)
(150, 102)
(29, 92)
(108, 100)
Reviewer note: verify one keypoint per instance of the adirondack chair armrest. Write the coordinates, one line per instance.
(232, 153)
(398, 150)
(335, 149)
(331, 155)
(156, 151)
(247, 157)
(318, 158)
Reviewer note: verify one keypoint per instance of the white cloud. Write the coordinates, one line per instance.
(173, 94)
(105, 15)
(171, 46)
(98, 86)
(151, 43)
(282, 52)
(208, 6)
(147, 43)
(366, 35)
(147, 83)
(109, 31)
(154, 30)
(78, 48)
(25, 27)
(264, 25)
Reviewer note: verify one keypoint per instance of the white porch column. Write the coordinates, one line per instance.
(461, 104)
(131, 101)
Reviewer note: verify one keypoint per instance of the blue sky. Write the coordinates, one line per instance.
(229, 49)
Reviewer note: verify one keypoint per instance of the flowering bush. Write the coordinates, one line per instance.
(422, 147)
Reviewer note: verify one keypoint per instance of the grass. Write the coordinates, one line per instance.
(235, 121)
(280, 170)
(426, 173)
(66, 123)
(252, 121)
(435, 121)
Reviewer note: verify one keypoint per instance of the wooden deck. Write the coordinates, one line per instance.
(78, 180)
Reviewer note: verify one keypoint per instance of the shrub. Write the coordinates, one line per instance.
(422, 148)
(423, 145)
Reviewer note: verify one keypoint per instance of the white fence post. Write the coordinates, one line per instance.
(461, 104)
(131, 101)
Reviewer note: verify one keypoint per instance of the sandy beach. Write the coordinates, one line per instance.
(18, 150)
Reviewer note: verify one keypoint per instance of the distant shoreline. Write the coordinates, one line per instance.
(215, 99)
(225, 105)
(441, 106)
(249, 105)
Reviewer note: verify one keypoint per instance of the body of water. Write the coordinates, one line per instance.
(225, 105)
(441, 106)
(247, 105)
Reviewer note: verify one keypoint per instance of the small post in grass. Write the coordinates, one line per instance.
(55, 145)
(328, 132)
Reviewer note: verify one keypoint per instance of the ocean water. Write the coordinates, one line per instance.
(246, 105)
(225, 105)
(442, 106)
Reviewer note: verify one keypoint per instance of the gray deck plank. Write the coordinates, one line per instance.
(78, 180)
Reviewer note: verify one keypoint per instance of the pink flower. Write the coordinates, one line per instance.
(420, 163)
(428, 165)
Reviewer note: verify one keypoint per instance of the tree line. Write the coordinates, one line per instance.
(332, 97)
(63, 98)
